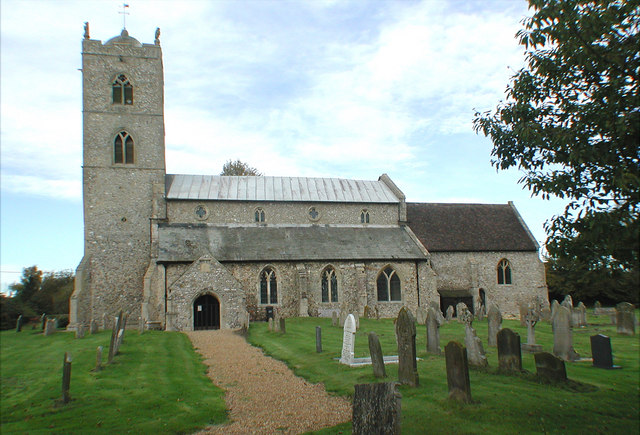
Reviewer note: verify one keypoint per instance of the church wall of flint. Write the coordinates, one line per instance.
(468, 272)
(243, 212)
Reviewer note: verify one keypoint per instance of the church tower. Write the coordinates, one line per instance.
(123, 173)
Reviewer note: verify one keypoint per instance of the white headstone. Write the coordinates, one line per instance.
(348, 340)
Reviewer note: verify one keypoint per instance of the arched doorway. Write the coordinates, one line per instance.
(206, 313)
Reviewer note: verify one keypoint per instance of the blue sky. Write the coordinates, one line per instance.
(349, 89)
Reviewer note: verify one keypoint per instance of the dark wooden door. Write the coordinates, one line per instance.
(206, 313)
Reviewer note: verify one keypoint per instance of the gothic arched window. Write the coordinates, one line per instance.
(388, 285)
(504, 272)
(123, 148)
(259, 215)
(122, 90)
(364, 217)
(329, 285)
(268, 286)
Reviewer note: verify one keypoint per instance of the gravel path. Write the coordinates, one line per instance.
(263, 394)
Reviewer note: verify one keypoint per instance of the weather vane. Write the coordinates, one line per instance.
(124, 15)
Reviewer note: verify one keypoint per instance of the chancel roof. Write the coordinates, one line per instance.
(469, 227)
(188, 242)
(231, 188)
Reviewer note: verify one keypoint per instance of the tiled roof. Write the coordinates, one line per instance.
(227, 188)
(469, 227)
(187, 242)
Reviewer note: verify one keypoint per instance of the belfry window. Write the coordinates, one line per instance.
(122, 90)
(268, 286)
(364, 217)
(329, 285)
(389, 286)
(504, 272)
(259, 215)
(123, 148)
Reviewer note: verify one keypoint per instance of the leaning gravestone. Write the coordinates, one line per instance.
(549, 368)
(376, 409)
(494, 324)
(19, 323)
(601, 352)
(318, 339)
(509, 355)
(119, 341)
(625, 318)
(377, 359)
(433, 332)
(449, 316)
(50, 327)
(114, 337)
(562, 335)
(406, 337)
(457, 372)
(475, 351)
(348, 340)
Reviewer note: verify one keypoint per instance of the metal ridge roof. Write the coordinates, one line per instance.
(262, 188)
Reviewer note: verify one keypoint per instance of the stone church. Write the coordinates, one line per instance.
(187, 252)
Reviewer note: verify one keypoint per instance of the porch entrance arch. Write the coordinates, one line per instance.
(206, 313)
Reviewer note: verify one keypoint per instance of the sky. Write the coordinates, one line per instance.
(345, 89)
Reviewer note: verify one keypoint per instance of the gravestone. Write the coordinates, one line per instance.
(436, 308)
(80, 331)
(523, 308)
(377, 359)
(357, 317)
(596, 308)
(461, 309)
(377, 311)
(283, 326)
(93, 328)
(626, 318)
(276, 321)
(348, 340)
(114, 337)
(494, 324)
(457, 372)
(318, 339)
(105, 322)
(343, 318)
(270, 322)
(433, 332)
(43, 321)
(531, 318)
(449, 316)
(601, 352)
(140, 325)
(567, 302)
(119, 341)
(366, 313)
(98, 358)
(475, 351)
(334, 318)
(549, 368)
(66, 378)
(421, 316)
(554, 310)
(19, 323)
(509, 355)
(582, 309)
(480, 312)
(406, 337)
(562, 335)
(376, 409)
(50, 327)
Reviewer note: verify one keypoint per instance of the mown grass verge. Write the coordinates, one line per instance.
(598, 401)
(157, 384)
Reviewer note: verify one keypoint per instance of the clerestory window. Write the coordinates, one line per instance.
(259, 215)
(329, 285)
(364, 217)
(388, 285)
(268, 286)
(122, 90)
(504, 272)
(123, 148)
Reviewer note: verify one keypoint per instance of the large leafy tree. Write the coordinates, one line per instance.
(571, 124)
(238, 167)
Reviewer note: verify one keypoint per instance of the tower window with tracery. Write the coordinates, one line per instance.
(122, 90)
(123, 148)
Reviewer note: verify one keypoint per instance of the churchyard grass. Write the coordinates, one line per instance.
(157, 384)
(599, 401)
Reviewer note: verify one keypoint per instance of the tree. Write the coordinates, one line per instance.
(238, 168)
(29, 284)
(571, 125)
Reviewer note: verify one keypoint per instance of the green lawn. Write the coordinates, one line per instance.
(157, 384)
(601, 401)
